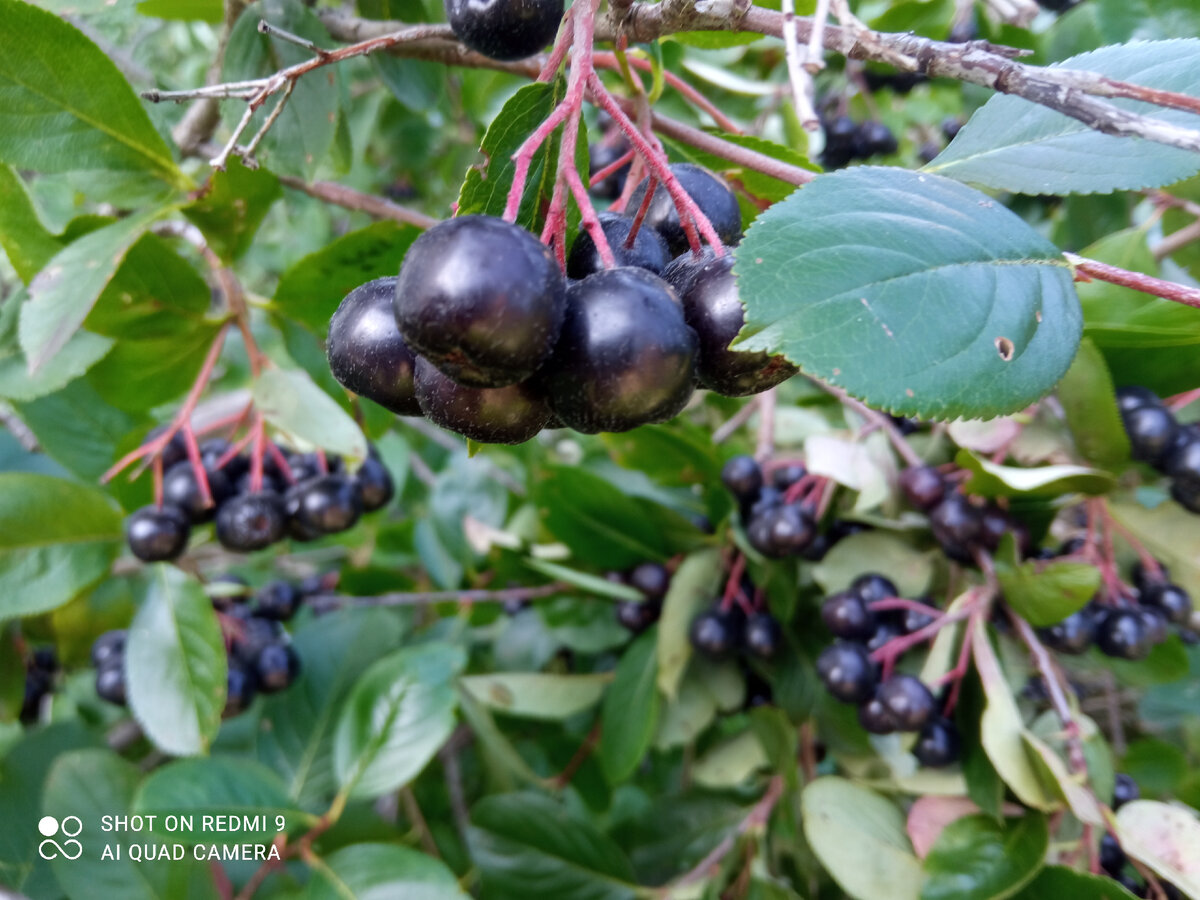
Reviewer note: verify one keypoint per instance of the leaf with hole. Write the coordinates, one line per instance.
(912, 292)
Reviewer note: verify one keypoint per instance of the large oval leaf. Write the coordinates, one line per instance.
(1012, 144)
(914, 293)
(383, 870)
(293, 403)
(175, 665)
(977, 858)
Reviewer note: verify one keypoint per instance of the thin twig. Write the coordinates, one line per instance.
(340, 195)
(1147, 284)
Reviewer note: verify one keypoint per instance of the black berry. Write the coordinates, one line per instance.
(327, 504)
(181, 489)
(1171, 599)
(956, 526)
(1073, 635)
(847, 616)
(762, 636)
(1125, 790)
(1112, 857)
(1135, 397)
(276, 668)
(110, 682)
(652, 579)
(938, 744)
(251, 521)
(157, 533)
(715, 633)
(637, 616)
(1123, 634)
(277, 600)
(708, 191)
(875, 717)
(923, 486)
(240, 689)
(847, 672)
(375, 485)
(108, 648)
(649, 250)
(742, 477)
(908, 700)
(1151, 431)
(503, 415)
(504, 29)
(872, 588)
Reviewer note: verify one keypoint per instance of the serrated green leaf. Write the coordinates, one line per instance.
(234, 205)
(175, 664)
(1061, 883)
(978, 858)
(989, 479)
(629, 716)
(64, 105)
(28, 244)
(368, 870)
(916, 294)
(536, 695)
(1015, 145)
(290, 401)
(859, 837)
(1051, 594)
(1089, 404)
(57, 537)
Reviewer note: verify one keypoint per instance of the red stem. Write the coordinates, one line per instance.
(281, 462)
(733, 585)
(913, 605)
(1179, 401)
(1147, 284)
(611, 168)
(689, 93)
(193, 452)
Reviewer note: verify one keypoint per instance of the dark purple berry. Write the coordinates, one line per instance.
(1135, 397)
(872, 588)
(847, 672)
(251, 521)
(1123, 634)
(1112, 857)
(715, 633)
(874, 717)
(1171, 599)
(762, 636)
(181, 488)
(956, 526)
(327, 504)
(847, 616)
(783, 477)
(157, 533)
(742, 477)
(637, 616)
(277, 600)
(649, 250)
(367, 353)
(1125, 790)
(652, 579)
(240, 689)
(504, 29)
(1151, 431)
(923, 486)
(108, 648)
(512, 414)
(908, 700)
(708, 191)
(276, 668)
(110, 682)
(1073, 635)
(938, 744)
(374, 485)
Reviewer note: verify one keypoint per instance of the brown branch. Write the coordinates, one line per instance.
(1147, 284)
(340, 195)
(203, 117)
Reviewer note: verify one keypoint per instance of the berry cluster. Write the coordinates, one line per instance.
(41, 667)
(1158, 440)
(960, 527)
(491, 341)
(847, 140)
(1124, 632)
(849, 672)
(650, 579)
(298, 495)
(725, 629)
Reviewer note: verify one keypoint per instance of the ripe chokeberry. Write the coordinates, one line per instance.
(1135, 396)
(181, 489)
(327, 504)
(708, 191)
(762, 636)
(367, 353)
(956, 526)
(1073, 635)
(923, 486)
(110, 682)
(652, 579)
(157, 533)
(908, 700)
(1151, 431)
(874, 717)
(277, 600)
(251, 521)
(108, 648)
(716, 633)
(481, 299)
(649, 250)
(276, 667)
(637, 616)
(1122, 634)
(1125, 790)
(240, 689)
(783, 477)
(742, 477)
(1112, 857)
(938, 745)
(784, 530)
(504, 29)
(847, 672)
(847, 616)
(375, 485)
(872, 587)
(625, 356)
(1171, 599)
(512, 414)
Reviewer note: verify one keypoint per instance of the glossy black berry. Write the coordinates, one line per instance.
(276, 668)
(1154, 621)
(327, 504)
(1112, 857)
(1122, 634)
(482, 299)
(782, 531)
(181, 489)
(874, 717)
(708, 191)
(637, 616)
(938, 745)
(956, 526)
(1183, 463)
(504, 29)
(1171, 599)
(712, 307)
(652, 579)
(157, 533)
(762, 636)
(873, 139)
(1134, 397)
(375, 485)
(783, 477)
(110, 682)
(504, 415)
(251, 635)
(872, 587)
(847, 616)
(250, 521)
(625, 357)
(1073, 635)
(847, 672)
(277, 600)
(914, 620)
(367, 353)
(1151, 431)
(240, 689)
(176, 449)
(1125, 790)
(886, 630)
(768, 498)
(908, 700)
(1187, 495)
(716, 633)
(923, 486)
(742, 477)
(649, 250)
(108, 648)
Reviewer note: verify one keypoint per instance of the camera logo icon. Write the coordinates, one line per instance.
(70, 827)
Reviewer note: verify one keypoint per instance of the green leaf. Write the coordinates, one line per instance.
(693, 587)
(1061, 883)
(382, 870)
(57, 537)
(595, 519)
(629, 716)
(731, 763)
(874, 551)
(991, 479)
(499, 754)
(64, 292)
(81, 353)
(528, 847)
(1089, 404)
(916, 294)
(1051, 594)
(1157, 766)
(593, 584)
(1166, 838)
(175, 665)
(91, 784)
(300, 140)
(311, 290)
(235, 204)
(296, 738)
(536, 695)
(289, 400)
(64, 105)
(485, 190)
(23, 237)
(396, 718)
(978, 858)
(1015, 145)
(183, 10)
(859, 837)
(220, 786)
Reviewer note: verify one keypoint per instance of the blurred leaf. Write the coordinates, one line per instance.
(1089, 404)
(236, 201)
(183, 10)
(897, 236)
(875, 551)
(528, 847)
(418, 84)
(175, 665)
(1061, 883)
(1169, 532)
(382, 870)
(977, 858)
(23, 237)
(289, 400)
(1158, 767)
(82, 351)
(396, 718)
(859, 837)
(57, 537)
(730, 763)
(1164, 837)
(75, 108)
(536, 695)
(311, 289)
(991, 479)
(694, 586)
(629, 716)
(1051, 594)
(593, 584)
